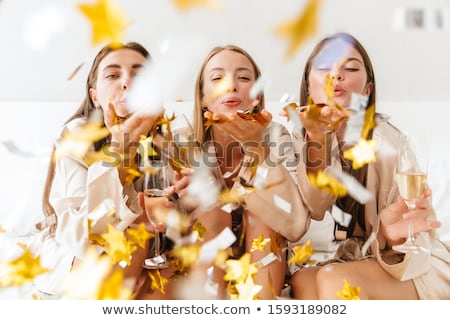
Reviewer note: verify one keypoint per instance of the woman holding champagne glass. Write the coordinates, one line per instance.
(337, 69)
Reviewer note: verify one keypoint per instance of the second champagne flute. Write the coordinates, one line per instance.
(156, 180)
(411, 175)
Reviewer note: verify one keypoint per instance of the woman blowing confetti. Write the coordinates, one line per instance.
(89, 195)
(246, 153)
(341, 136)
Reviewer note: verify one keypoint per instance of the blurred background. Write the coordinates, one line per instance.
(44, 41)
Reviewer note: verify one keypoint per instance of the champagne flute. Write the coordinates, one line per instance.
(411, 175)
(156, 180)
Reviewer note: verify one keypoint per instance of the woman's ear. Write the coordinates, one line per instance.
(93, 96)
(368, 89)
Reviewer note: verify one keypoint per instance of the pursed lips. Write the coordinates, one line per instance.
(338, 91)
(231, 102)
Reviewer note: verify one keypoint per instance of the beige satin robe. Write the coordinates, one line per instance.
(430, 271)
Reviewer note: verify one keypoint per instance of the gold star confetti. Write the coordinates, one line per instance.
(86, 278)
(348, 292)
(158, 281)
(247, 290)
(302, 254)
(369, 121)
(239, 270)
(76, 143)
(231, 196)
(103, 155)
(200, 229)
(221, 258)
(302, 28)
(146, 150)
(114, 288)
(188, 254)
(327, 182)
(107, 19)
(186, 5)
(22, 269)
(259, 243)
(361, 153)
(117, 246)
(210, 120)
(140, 235)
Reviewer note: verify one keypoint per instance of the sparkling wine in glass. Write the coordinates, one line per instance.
(156, 180)
(411, 175)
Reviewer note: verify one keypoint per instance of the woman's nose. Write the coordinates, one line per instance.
(233, 86)
(125, 83)
(336, 74)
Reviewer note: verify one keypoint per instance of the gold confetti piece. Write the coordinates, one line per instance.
(188, 254)
(114, 287)
(302, 254)
(259, 243)
(186, 5)
(231, 196)
(348, 292)
(239, 270)
(247, 290)
(22, 269)
(223, 86)
(140, 235)
(76, 143)
(117, 246)
(200, 229)
(354, 188)
(328, 183)
(302, 28)
(328, 87)
(369, 121)
(158, 282)
(107, 19)
(2, 230)
(361, 154)
(87, 276)
(221, 258)
(146, 150)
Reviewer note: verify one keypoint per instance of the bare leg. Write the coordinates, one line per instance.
(303, 284)
(271, 277)
(215, 221)
(375, 283)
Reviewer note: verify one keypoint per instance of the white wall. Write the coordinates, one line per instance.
(410, 65)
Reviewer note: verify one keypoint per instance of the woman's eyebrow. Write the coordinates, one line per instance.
(353, 59)
(117, 66)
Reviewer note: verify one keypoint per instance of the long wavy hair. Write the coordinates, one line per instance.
(84, 111)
